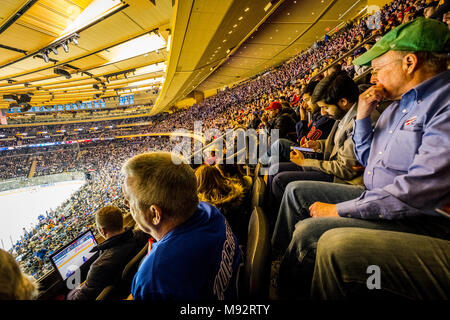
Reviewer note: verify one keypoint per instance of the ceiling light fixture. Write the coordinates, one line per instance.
(268, 5)
(65, 46)
(146, 43)
(54, 47)
(45, 56)
(75, 39)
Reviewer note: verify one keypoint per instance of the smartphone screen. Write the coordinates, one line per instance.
(303, 149)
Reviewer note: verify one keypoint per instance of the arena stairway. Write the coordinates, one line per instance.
(32, 169)
(80, 154)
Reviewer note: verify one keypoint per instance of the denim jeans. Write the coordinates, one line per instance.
(297, 198)
(410, 266)
(288, 174)
(296, 235)
(280, 175)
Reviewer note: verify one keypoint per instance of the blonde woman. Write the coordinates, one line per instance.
(15, 285)
(224, 193)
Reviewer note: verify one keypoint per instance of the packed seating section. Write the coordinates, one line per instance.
(230, 108)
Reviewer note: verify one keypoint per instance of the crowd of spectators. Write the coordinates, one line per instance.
(232, 106)
(242, 105)
(103, 161)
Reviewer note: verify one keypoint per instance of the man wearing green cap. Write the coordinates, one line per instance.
(406, 158)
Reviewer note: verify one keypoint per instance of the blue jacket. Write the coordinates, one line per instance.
(187, 263)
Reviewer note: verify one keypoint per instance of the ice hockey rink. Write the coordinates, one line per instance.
(21, 207)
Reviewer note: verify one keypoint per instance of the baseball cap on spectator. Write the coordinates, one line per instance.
(274, 105)
(408, 9)
(420, 34)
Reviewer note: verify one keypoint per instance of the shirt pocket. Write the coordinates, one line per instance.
(403, 148)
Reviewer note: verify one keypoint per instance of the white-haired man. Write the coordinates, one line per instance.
(196, 256)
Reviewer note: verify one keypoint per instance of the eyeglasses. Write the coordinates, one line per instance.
(374, 71)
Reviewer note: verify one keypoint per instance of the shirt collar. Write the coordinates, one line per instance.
(429, 86)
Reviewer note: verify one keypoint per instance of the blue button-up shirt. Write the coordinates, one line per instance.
(406, 155)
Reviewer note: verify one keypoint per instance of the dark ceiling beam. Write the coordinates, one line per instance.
(17, 15)
(12, 49)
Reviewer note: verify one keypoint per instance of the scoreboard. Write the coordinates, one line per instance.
(126, 100)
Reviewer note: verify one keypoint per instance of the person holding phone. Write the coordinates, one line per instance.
(406, 158)
(336, 95)
(316, 127)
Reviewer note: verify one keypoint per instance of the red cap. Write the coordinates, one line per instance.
(274, 105)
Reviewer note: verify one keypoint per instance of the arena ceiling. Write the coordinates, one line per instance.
(115, 47)
(218, 43)
(111, 38)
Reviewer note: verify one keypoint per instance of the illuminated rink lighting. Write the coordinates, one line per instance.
(21, 207)
(133, 48)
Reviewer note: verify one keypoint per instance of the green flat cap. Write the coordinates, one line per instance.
(420, 34)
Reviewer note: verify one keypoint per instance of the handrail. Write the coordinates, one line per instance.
(343, 57)
(191, 159)
(362, 75)
(236, 154)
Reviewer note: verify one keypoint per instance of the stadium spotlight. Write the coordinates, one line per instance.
(55, 50)
(75, 39)
(45, 56)
(65, 46)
